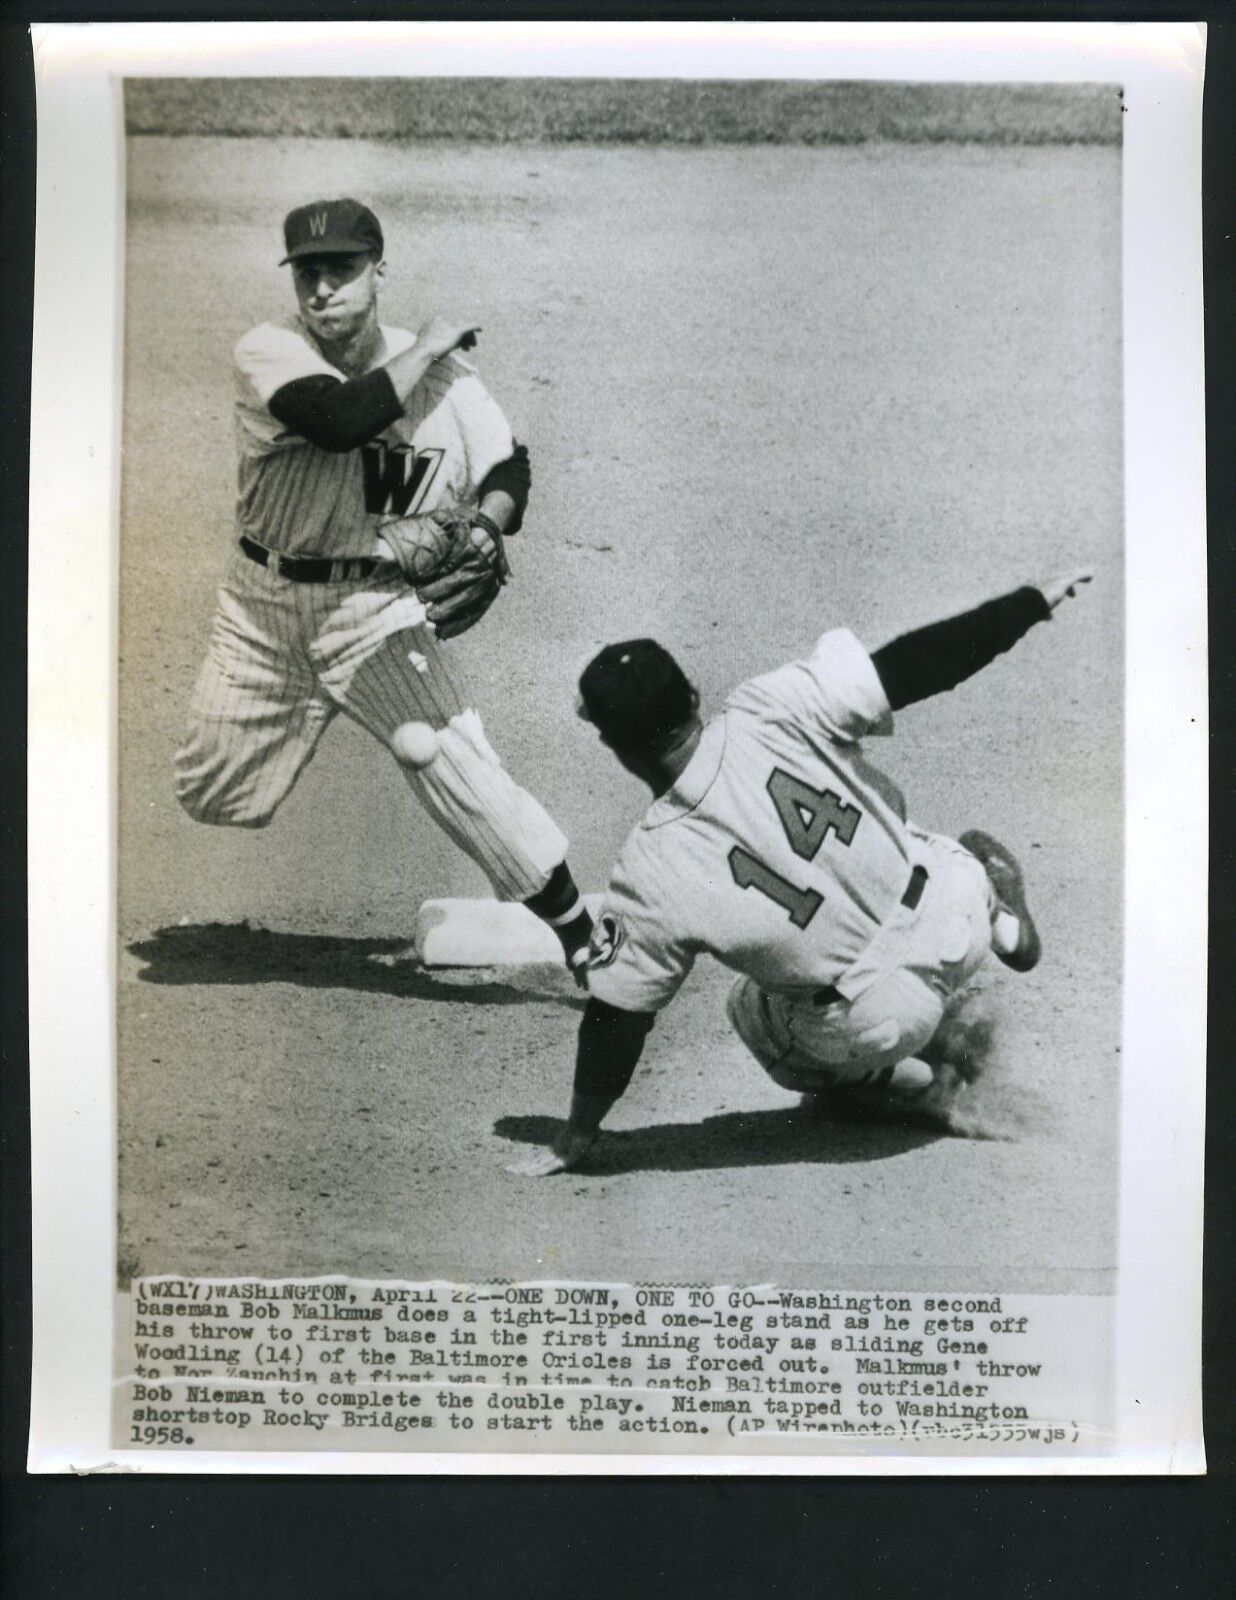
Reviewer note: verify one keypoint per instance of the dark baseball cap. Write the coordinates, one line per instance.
(635, 693)
(331, 228)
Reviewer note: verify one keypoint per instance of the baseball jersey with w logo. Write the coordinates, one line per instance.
(779, 850)
(300, 500)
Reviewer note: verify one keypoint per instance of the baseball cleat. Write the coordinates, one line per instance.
(1004, 873)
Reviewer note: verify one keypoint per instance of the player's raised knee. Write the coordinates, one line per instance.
(414, 744)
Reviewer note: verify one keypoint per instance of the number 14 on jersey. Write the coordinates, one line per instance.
(808, 816)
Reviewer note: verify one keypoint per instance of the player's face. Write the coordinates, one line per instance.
(336, 294)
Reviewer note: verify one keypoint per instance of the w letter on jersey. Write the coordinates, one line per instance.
(397, 478)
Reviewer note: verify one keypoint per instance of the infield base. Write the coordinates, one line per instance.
(485, 933)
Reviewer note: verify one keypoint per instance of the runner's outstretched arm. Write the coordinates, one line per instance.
(938, 657)
(610, 1044)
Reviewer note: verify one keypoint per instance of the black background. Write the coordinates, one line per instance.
(149, 1538)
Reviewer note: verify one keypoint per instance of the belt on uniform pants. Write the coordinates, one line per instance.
(828, 996)
(311, 569)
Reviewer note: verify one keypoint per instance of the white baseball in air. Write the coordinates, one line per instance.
(414, 743)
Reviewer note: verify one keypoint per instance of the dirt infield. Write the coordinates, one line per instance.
(767, 390)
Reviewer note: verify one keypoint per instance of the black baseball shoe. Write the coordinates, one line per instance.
(1004, 871)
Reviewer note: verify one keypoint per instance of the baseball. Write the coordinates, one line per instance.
(414, 744)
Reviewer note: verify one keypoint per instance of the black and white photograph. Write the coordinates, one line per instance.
(621, 701)
(731, 377)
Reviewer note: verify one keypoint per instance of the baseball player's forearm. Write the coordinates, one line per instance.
(500, 509)
(938, 657)
(512, 479)
(588, 1112)
(610, 1045)
(341, 415)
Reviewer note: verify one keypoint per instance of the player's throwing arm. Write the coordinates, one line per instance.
(377, 483)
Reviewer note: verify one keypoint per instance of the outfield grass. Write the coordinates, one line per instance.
(625, 111)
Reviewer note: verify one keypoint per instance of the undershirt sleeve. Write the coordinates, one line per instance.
(938, 657)
(514, 477)
(337, 416)
(610, 1044)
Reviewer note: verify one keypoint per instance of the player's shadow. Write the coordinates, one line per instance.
(731, 1139)
(235, 953)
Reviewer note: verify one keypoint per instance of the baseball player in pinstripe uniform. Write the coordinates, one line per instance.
(775, 846)
(377, 480)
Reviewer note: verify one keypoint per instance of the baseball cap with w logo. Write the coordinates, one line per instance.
(330, 228)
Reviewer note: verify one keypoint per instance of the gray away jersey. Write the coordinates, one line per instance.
(779, 850)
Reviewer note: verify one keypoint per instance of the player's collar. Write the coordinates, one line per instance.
(695, 779)
(391, 342)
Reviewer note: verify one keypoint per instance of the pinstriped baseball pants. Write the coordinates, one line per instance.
(285, 658)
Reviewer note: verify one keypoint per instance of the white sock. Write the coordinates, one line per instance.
(911, 1076)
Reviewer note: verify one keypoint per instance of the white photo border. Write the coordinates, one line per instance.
(74, 538)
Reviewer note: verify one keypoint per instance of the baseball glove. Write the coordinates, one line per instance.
(457, 562)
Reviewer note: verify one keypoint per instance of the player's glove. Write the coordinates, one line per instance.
(456, 559)
(461, 595)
